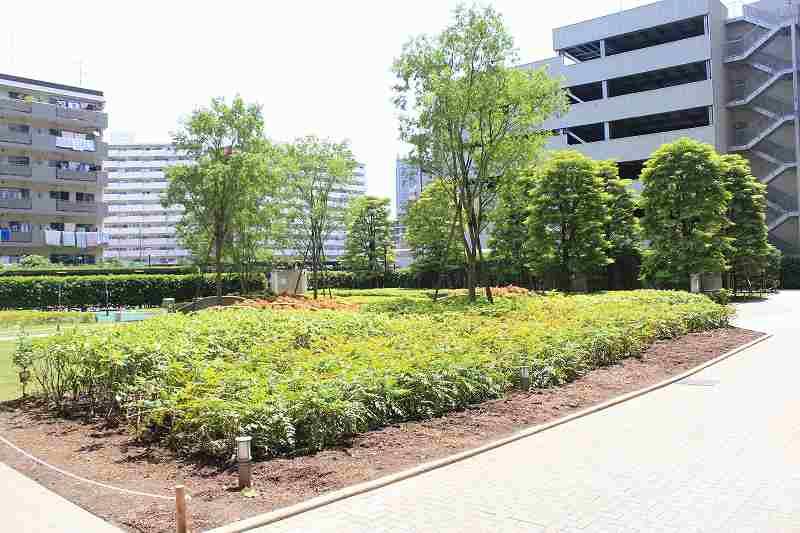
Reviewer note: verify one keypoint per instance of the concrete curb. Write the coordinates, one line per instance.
(347, 492)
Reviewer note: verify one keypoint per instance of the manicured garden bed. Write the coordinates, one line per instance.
(301, 381)
(112, 455)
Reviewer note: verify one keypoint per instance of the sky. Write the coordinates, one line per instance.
(316, 67)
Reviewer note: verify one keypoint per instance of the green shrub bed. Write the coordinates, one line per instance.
(44, 292)
(298, 381)
(9, 319)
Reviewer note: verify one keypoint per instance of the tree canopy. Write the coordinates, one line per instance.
(226, 185)
(368, 246)
(685, 201)
(567, 218)
(472, 118)
(431, 225)
(319, 172)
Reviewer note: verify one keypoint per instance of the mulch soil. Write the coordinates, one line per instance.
(111, 456)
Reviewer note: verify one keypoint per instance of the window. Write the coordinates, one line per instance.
(14, 194)
(57, 226)
(19, 128)
(87, 197)
(59, 195)
(19, 160)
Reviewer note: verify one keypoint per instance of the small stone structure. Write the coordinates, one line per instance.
(286, 282)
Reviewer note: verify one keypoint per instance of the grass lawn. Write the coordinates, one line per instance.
(9, 382)
(300, 380)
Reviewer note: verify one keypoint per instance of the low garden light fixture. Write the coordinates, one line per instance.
(524, 378)
(24, 377)
(244, 457)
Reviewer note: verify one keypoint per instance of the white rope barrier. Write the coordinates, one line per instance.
(82, 479)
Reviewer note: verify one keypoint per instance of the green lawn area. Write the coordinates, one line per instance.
(9, 382)
(301, 380)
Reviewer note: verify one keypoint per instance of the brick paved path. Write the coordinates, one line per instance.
(721, 454)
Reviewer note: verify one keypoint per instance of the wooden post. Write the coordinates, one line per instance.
(180, 509)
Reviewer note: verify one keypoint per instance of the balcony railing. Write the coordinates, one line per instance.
(15, 170)
(76, 143)
(15, 203)
(77, 114)
(738, 47)
(20, 237)
(15, 137)
(15, 105)
(76, 175)
(76, 207)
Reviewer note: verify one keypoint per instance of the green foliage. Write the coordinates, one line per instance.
(622, 229)
(368, 247)
(316, 168)
(473, 117)
(567, 218)
(722, 296)
(126, 290)
(431, 222)
(685, 201)
(790, 266)
(34, 261)
(750, 248)
(509, 239)
(301, 381)
(230, 189)
(9, 319)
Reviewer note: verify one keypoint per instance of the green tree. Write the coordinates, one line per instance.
(471, 117)
(229, 177)
(750, 249)
(34, 261)
(685, 202)
(431, 224)
(368, 246)
(567, 218)
(317, 168)
(622, 229)
(509, 238)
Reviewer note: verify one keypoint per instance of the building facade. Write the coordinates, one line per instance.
(139, 227)
(335, 243)
(409, 180)
(687, 68)
(51, 177)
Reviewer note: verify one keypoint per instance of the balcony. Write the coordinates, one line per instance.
(14, 106)
(15, 203)
(16, 137)
(75, 175)
(15, 170)
(20, 237)
(94, 119)
(76, 207)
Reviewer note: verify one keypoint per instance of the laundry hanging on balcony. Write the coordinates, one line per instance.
(80, 239)
(52, 237)
(92, 238)
(69, 238)
(5, 234)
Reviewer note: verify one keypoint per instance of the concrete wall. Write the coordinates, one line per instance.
(632, 148)
(628, 21)
(675, 98)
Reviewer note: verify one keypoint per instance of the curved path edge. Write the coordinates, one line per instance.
(367, 486)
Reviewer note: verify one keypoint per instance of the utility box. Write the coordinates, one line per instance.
(288, 282)
(168, 304)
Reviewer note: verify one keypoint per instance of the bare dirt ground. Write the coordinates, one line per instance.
(111, 456)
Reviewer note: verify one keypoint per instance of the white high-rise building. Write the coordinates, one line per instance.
(141, 229)
(687, 68)
(51, 179)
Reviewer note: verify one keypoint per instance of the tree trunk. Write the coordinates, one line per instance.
(218, 262)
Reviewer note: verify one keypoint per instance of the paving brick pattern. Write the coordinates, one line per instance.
(721, 457)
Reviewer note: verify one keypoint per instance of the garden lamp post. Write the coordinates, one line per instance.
(524, 378)
(244, 457)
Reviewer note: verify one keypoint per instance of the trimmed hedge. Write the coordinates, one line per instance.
(127, 290)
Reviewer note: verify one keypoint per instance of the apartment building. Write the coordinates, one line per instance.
(334, 244)
(409, 180)
(139, 227)
(51, 178)
(687, 68)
